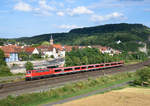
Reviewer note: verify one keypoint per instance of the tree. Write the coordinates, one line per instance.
(84, 60)
(4, 69)
(23, 56)
(76, 61)
(29, 66)
(45, 43)
(143, 77)
(1, 43)
(2, 58)
(52, 56)
(68, 61)
(35, 56)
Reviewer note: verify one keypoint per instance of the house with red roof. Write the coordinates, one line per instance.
(31, 50)
(47, 51)
(11, 52)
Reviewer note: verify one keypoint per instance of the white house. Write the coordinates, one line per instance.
(31, 50)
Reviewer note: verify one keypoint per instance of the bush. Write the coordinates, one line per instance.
(143, 77)
(29, 66)
(4, 70)
(52, 56)
(23, 56)
(2, 58)
(35, 56)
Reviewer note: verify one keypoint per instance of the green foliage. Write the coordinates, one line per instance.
(2, 58)
(93, 56)
(1, 43)
(35, 56)
(23, 56)
(35, 45)
(52, 56)
(29, 66)
(143, 77)
(26, 57)
(45, 43)
(4, 70)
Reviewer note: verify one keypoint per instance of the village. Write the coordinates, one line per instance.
(52, 54)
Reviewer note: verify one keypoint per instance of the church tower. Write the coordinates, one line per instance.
(51, 40)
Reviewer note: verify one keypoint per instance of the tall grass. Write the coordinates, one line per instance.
(63, 92)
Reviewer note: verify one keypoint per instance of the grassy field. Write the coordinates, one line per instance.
(124, 97)
(67, 91)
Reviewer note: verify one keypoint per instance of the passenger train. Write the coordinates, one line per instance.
(53, 71)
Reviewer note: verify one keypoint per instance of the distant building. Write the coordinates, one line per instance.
(55, 50)
(31, 50)
(47, 51)
(144, 48)
(51, 40)
(11, 52)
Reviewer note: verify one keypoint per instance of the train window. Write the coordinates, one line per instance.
(113, 64)
(102, 65)
(77, 68)
(52, 66)
(28, 72)
(58, 70)
(39, 71)
(107, 64)
(67, 69)
(90, 66)
(97, 65)
(45, 70)
(83, 67)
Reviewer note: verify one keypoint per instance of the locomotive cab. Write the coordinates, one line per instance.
(28, 75)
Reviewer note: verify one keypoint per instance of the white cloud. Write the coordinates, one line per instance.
(69, 26)
(44, 9)
(39, 12)
(60, 13)
(79, 10)
(22, 6)
(44, 5)
(114, 15)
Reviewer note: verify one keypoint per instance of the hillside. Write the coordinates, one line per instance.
(106, 35)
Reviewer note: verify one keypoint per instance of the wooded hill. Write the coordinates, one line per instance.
(106, 35)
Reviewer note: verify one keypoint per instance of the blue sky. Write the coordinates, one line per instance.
(24, 18)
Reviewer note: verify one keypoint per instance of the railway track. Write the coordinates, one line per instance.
(23, 85)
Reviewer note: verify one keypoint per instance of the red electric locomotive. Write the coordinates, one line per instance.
(41, 73)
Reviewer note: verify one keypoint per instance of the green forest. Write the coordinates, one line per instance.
(105, 35)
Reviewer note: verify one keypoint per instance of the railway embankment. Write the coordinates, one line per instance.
(68, 90)
(9, 79)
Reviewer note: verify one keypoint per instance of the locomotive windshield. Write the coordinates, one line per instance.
(28, 72)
